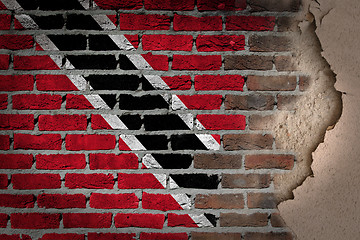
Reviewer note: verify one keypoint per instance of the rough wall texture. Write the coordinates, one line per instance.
(157, 119)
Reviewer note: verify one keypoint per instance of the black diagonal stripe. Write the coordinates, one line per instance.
(164, 122)
(196, 180)
(153, 142)
(173, 161)
(114, 82)
(28, 4)
(93, 61)
(69, 42)
(82, 22)
(49, 22)
(186, 142)
(132, 122)
(110, 99)
(146, 102)
(125, 63)
(50, 5)
(146, 85)
(211, 218)
(101, 43)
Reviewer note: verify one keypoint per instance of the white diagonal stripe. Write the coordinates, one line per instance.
(157, 82)
(188, 119)
(11, 4)
(172, 183)
(201, 220)
(209, 141)
(114, 121)
(79, 81)
(149, 161)
(198, 125)
(97, 101)
(139, 62)
(104, 22)
(122, 42)
(132, 142)
(45, 42)
(183, 200)
(177, 104)
(26, 21)
(161, 178)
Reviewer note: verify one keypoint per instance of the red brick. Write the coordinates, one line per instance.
(3, 101)
(113, 161)
(268, 236)
(36, 181)
(245, 181)
(163, 236)
(4, 218)
(276, 220)
(219, 201)
(222, 122)
(133, 39)
(90, 142)
(34, 63)
(16, 161)
(87, 220)
(175, 5)
(116, 5)
(4, 61)
(247, 141)
(35, 220)
(219, 82)
(269, 161)
(111, 236)
(62, 122)
(61, 201)
(228, 5)
(167, 42)
(16, 122)
(89, 181)
(217, 161)
(17, 201)
(77, 102)
(211, 43)
(16, 83)
(4, 142)
(36, 102)
(190, 23)
(144, 22)
(37, 142)
(178, 220)
(215, 236)
(274, 5)
(60, 161)
(262, 200)
(54, 83)
(250, 23)
(143, 220)
(162, 202)
(14, 236)
(16, 42)
(259, 122)
(5, 21)
(178, 82)
(4, 181)
(243, 220)
(157, 62)
(248, 62)
(196, 62)
(270, 43)
(64, 236)
(198, 102)
(114, 201)
(271, 83)
(138, 181)
(259, 102)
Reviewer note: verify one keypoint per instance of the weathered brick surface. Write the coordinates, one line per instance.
(224, 201)
(269, 43)
(243, 220)
(217, 161)
(248, 62)
(271, 83)
(247, 142)
(249, 102)
(245, 180)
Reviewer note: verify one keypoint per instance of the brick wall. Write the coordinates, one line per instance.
(144, 119)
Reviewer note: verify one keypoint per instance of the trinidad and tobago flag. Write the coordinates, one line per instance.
(153, 111)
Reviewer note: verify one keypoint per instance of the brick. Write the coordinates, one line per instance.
(268, 236)
(243, 220)
(149, 142)
(4, 182)
(4, 142)
(250, 23)
(211, 43)
(35, 220)
(62, 122)
(274, 5)
(259, 102)
(116, 5)
(304, 83)
(79, 102)
(178, 220)
(144, 22)
(193, 142)
(4, 218)
(221, 122)
(36, 181)
(228, 5)
(196, 102)
(37, 142)
(139, 181)
(287, 24)
(259, 122)
(271, 83)
(16, 161)
(133, 39)
(262, 200)
(196, 62)
(16, 42)
(178, 82)
(163, 236)
(89, 181)
(167, 42)
(60, 161)
(16, 83)
(87, 220)
(90, 142)
(62, 236)
(245, 181)
(111, 236)
(114, 201)
(113, 161)
(174, 5)
(34, 63)
(4, 61)
(270, 43)
(219, 82)
(144, 220)
(14, 237)
(36, 102)
(5, 20)
(17, 201)
(145, 102)
(190, 23)
(54, 83)
(16, 122)
(285, 63)
(276, 220)
(247, 141)
(101, 61)
(269, 161)
(219, 201)
(61, 201)
(162, 202)
(215, 236)
(3, 101)
(157, 62)
(288, 102)
(196, 180)
(217, 161)
(248, 62)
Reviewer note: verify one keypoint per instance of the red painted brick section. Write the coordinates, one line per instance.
(65, 236)
(113, 201)
(5, 21)
(4, 61)
(157, 62)
(37, 142)
(17, 201)
(16, 161)
(36, 102)
(269, 161)
(16, 122)
(113, 161)
(62, 122)
(167, 42)
(222, 122)
(35, 220)
(163, 236)
(89, 181)
(178, 82)
(3, 181)
(36, 181)
(126, 220)
(178, 220)
(228, 5)
(16, 42)
(14, 236)
(61, 201)
(175, 5)
(4, 218)
(190, 23)
(196, 62)
(16, 83)
(138, 181)
(77, 102)
(34, 63)
(54, 83)
(60, 161)
(4, 142)
(89, 142)
(212, 43)
(201, 102)
(87, 220)
(111, 236)
(115, 5)
(144, 22)
(250, 23)
(162, 202)
(3, 101)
